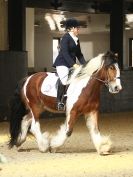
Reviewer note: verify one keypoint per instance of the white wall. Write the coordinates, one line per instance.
(43, 48)
(91, 44)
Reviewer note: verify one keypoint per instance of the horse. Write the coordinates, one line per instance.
(83, 99)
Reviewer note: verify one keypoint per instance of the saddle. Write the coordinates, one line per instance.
(51, 84)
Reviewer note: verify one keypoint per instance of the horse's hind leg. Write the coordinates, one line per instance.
(42, 139)
(102, 143)
(25, 124)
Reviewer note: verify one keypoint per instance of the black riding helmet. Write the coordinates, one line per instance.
(70, 23)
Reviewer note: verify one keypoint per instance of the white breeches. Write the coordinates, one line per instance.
(63, 72)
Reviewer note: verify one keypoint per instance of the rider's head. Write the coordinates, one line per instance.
(72, 25)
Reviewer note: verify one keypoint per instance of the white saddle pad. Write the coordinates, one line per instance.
(49, 85)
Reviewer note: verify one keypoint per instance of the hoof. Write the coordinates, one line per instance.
(52, 150)
(44, 144)
(18, 144)
(105, 146)
(104, 153)
(43, 149)
(20, 141)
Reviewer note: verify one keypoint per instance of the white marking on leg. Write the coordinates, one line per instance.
(24, 128)
(59, 139)
(42, 139)
(102, 143)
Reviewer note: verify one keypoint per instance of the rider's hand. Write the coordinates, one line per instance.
(75, 66)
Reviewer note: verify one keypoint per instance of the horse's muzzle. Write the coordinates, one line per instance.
(115, 89)
(118, 88)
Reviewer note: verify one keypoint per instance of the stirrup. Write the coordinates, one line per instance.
(61, 106)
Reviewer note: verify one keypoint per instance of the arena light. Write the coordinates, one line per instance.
(58, 18)
(129, 18)
(50, 21)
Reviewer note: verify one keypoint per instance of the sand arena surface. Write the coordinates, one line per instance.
(77, 157)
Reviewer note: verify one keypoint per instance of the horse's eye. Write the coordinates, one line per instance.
(111, 67)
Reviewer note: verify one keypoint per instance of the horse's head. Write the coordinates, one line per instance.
(104, 68)
(112, 76)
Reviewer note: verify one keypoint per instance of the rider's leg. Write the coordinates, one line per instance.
(62, 88)
(61, 91)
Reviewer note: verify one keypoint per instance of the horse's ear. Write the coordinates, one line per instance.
(108, 52)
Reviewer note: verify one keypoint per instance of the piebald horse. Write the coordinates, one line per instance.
(83, 98)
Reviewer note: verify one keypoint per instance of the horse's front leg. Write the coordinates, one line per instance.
(64, 132)
(102, 143)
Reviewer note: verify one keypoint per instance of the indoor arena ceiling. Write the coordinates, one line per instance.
(88, 6)
(85, 8)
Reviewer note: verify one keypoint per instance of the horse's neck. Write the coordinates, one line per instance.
(94, 85)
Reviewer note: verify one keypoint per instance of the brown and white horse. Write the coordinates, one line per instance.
(83, 98)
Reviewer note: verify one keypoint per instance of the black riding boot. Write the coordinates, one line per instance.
(60, 97)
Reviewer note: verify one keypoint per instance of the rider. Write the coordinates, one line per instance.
(69, 51)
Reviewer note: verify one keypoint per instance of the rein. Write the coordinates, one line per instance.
(105, 82)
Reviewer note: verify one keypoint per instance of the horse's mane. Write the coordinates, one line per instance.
(93, 65)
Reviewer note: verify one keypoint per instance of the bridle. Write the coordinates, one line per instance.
(106, 81)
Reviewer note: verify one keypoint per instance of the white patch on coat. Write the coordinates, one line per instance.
(116, 83)
(75, 90)
(24, 87)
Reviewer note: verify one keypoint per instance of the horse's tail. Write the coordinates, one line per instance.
(17, 111)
